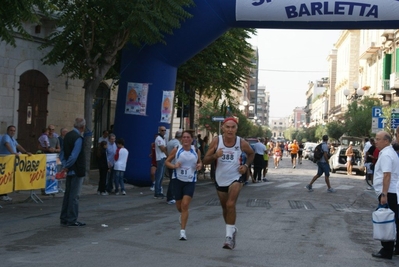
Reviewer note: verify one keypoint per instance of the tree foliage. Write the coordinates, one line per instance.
(246, 128)
(335, 129)
(220, 69)
(14, 14)
(358, 117)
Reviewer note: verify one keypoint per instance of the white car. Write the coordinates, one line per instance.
(308, 150)
(338, 159)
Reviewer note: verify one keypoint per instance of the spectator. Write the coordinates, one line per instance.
(102, 168)
(386, 177)
(104, 137)
(111, 150)
(153, 164)
(63, 132)
(74, 165)
(226, 150)
(121, 156)
(43, 140)
(160, 152)
(8, 146)
(184, 161)
(54, 142)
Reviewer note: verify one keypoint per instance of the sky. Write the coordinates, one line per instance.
(288, 61)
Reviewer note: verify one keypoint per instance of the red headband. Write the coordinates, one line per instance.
(230, 119)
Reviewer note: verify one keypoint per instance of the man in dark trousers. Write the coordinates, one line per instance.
(74, 165)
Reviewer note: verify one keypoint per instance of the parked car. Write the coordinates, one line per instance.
(338, 159)
(308, 150)
(311, 153)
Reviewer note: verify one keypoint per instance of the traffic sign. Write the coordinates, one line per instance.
(377, 112)
(218, 118)
(377, 124)
(394, 123)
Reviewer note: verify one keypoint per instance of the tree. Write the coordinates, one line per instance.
(220, 69)
(358, 117)
(94, 31)
(335, 129)
(15, 13)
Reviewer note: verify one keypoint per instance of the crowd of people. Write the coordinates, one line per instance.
(185, 156)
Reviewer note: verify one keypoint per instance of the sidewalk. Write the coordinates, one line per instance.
(89, 188)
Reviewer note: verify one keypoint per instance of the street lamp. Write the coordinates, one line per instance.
(355, 96)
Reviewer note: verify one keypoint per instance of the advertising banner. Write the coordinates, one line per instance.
(136, 98)
(167, 106)
(51, 170)
(30, 172)
(7, 174)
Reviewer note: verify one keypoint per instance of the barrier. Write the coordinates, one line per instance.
(25, 172)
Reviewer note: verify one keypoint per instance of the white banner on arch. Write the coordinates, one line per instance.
(313, 11)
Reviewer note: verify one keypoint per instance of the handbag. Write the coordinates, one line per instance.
(384, 227)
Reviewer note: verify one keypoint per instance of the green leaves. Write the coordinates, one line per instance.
(92, 32)
(219, 70)
(15, 13)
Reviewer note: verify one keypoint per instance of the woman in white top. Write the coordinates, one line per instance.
(187, 163)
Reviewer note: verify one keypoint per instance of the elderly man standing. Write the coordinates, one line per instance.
(74, 165)
(386, 177)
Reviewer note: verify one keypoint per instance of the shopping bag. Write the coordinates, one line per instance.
(384, 227)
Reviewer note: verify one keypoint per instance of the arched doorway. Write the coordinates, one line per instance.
(101, 117)
(32, 108)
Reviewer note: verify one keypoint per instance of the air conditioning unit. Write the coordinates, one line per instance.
(394, 80)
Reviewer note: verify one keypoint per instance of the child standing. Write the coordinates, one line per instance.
(120, 166)
(102, 167)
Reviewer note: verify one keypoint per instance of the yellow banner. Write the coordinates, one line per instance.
(30, 172)
(7, 174)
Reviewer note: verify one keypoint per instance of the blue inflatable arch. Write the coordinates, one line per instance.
(157, 65)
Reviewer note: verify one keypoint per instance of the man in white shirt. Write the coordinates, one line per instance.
(160, 153)
(386, 177)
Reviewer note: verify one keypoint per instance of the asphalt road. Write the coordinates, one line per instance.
(279, 224)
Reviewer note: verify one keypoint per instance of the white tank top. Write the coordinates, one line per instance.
(188, 169)
(228, 164)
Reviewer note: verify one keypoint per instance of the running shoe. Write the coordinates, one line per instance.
(230, 242)
(331, 190)
(183, 236)
(104, 193)
(123, 192)
(309, 188)
(171, 202)
(152, 188)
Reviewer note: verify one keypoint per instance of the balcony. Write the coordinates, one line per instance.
(370, 50)
(394, 81)
(386, 91)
